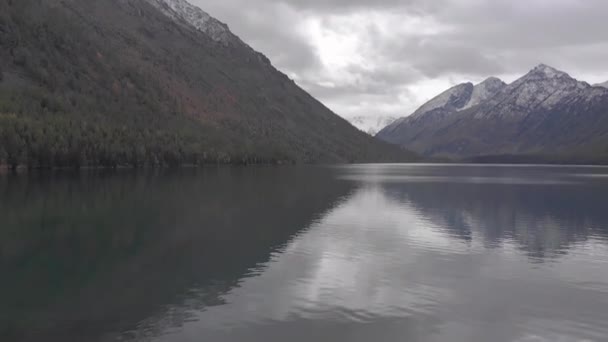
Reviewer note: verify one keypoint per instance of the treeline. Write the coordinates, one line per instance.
(60, 142)
(569, 158)
(108, 83)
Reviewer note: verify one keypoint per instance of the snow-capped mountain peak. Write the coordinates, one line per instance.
(547, 71)
(201, 20)
(543, 86)
(484, 91)
(545, 112)
(372, 124)
(454, 98)
(546, 74)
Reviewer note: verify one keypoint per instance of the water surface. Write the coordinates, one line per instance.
(352, 253)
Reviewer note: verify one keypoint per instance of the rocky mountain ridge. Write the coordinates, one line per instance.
(605, 84)
(201, 20)
(372, 124)
(453, 100)
(546, 112)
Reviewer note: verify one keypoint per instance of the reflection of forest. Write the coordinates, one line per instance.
(543, 220)
(89, 256)
(81, 256)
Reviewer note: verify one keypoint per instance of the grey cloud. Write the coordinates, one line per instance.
(440, 56)
(268, 28)
(341, 6)
(477, 39)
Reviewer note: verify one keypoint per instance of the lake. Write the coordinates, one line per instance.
(336, 253)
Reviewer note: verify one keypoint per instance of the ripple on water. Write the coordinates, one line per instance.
(427, 253)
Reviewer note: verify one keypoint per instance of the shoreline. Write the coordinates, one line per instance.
(6, 169)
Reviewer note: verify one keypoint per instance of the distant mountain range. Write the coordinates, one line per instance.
(153, 82)
(372, 124)
(545, 116)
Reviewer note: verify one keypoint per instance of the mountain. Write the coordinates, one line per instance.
(372, 124)
(453, 100)
(153, 82)
(450, 102)
(605, 85)
(484, 91)
(546, 114)
(201, 20)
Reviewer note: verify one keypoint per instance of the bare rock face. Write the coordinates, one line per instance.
(455, 98)
(542, 88)
(545, 112)
(484, 91)
(201, 20)
(452, 101)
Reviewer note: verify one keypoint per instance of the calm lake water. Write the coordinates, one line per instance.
(353, 253)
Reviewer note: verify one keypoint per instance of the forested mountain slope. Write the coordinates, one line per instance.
(132, 82)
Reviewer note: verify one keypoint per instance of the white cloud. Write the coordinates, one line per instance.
(376, 58)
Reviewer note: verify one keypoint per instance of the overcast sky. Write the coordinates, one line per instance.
(387, 57)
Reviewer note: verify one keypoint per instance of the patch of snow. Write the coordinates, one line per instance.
(543, 87)
(485, 90)
(454, 100)
(372, 124)
(455, 97)
(201, 20)
(548, 71)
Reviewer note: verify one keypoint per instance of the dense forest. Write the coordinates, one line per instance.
(592, 157)
(117, 83)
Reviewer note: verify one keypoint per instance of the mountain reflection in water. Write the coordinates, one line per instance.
(352, 253)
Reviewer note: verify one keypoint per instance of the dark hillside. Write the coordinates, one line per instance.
(117, 82)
